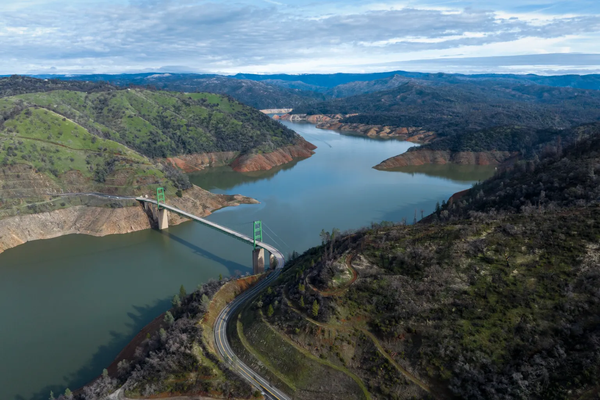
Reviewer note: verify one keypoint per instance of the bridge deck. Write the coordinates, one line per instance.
(222, 228)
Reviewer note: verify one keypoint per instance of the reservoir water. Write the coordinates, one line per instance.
(68, 305)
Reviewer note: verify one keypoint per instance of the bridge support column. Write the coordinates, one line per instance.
(272, 261)
(258, 261)
(163, 219)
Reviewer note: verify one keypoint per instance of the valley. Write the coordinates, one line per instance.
(149, 266)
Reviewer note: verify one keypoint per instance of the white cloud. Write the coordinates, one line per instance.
(287, 36)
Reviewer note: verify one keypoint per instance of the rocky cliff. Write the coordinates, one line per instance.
(101, 221)
(425, 156)
(333, 122)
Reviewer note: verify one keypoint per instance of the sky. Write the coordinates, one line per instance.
(289, 36)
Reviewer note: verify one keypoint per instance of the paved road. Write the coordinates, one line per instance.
(220, 328)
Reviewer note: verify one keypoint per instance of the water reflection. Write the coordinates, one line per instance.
(452, 172)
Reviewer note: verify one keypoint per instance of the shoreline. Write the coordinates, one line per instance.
(104, 221)
(252, 162)
(333, 122)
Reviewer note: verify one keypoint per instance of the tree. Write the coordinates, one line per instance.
(205, 300)
(315, 309)
(51, 396)
(220, 277)
(176, 302)
(182, 292)
(324, 236)
(68, 394)
(104, 373)
(169, 318)
(302, 301)
(270, 311)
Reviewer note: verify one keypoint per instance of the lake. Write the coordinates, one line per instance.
(69, 305)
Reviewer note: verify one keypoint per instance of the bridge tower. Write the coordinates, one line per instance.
(258, 254)
(163, 213)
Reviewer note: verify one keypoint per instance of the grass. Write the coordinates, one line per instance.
(287, 363)
(42, 152)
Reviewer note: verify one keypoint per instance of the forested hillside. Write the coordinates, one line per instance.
(493, 297)
(558, 176)
(452, 109)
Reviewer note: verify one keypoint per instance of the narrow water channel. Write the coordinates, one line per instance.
(68, 305)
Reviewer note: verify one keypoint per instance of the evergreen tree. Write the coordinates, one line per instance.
(302, 301)
(176, 302)
(182, 293)
(220, 277)
(315, 309)
(104, 373)
(68, 394)
(169, 318)
(270, 311)
(51, 396)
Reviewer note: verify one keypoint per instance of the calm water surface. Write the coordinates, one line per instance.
(68, 305)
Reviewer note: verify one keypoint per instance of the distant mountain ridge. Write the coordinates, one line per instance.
(289, 91)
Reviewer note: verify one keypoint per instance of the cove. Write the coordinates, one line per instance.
(69, 305)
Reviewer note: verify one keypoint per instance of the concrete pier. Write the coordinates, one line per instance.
(258, 261)
(272, 261)
(163, 219)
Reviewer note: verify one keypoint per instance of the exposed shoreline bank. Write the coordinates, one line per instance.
(440, 157)
(103, 221)
(244, 162)
(333, 122)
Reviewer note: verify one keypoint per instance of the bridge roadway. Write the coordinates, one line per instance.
(220, 328)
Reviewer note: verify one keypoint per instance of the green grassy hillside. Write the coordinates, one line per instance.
(43, 153)
(166, 124)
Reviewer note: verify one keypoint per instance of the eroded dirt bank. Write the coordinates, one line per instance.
(246, 162)
(425, 156)
(266, 161)
(102, 221)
